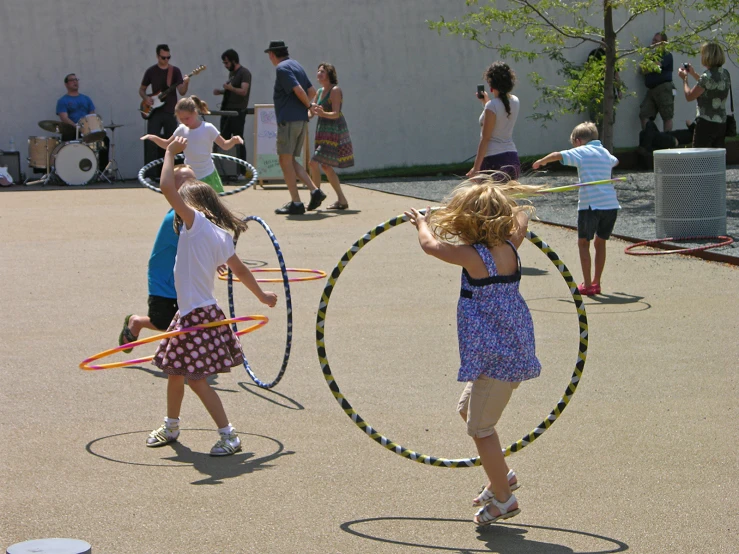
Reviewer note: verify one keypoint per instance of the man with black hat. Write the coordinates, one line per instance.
(292, 94)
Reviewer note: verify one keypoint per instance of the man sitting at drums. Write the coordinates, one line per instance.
(73, 106)
(73, 109)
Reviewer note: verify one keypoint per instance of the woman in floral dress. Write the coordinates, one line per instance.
(333, 145)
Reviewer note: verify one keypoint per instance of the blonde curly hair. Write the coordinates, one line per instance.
(481, 210)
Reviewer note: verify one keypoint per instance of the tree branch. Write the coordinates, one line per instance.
(637, 14)
(551, 23)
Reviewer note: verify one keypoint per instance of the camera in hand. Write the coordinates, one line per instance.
(686, 66)
(481, 91)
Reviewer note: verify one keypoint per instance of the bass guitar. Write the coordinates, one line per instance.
(159, 97)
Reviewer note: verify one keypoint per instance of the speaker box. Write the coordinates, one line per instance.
(226, 168)
(12, 160)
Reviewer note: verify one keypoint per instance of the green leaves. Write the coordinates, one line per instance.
(553, 28)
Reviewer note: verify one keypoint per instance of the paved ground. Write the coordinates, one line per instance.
(636, 196)
(644, 458)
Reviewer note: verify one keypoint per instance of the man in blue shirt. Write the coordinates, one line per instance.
(292, 94)
(73, 106)
(660, 96)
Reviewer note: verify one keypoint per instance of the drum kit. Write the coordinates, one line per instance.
(73, 162)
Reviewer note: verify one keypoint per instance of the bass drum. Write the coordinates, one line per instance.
(74, 163)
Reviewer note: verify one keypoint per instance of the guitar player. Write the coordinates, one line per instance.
(161, 121)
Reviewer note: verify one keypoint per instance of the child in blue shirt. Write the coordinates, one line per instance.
(597, 206)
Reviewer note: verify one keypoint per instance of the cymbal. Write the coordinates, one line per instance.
(57, 127)
(115, 125)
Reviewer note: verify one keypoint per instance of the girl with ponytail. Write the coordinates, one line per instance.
(200, 137)
(496, 150)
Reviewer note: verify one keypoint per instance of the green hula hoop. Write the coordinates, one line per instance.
(401, 450)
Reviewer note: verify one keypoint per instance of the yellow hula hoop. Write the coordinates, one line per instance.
(317, 274)
(261, 320)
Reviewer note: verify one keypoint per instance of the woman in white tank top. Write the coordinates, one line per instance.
(496, 150)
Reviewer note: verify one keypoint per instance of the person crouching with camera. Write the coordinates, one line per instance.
(710, 92)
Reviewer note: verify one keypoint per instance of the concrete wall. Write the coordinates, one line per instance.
(409, 93)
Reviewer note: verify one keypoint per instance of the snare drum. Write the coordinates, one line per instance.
(39, 150)
(74, 162)
(91, 128)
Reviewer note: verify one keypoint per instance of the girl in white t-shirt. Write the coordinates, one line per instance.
(200, 220)
(200, 137)
(496, 150)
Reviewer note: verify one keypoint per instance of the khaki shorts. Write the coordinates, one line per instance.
(291, 137)
(659, 99)
(482, 402)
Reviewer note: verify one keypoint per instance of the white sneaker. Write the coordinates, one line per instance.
(226, 445)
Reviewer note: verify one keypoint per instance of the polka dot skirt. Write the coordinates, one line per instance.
(201, 353)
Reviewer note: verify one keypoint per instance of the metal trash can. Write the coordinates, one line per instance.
(690, 192)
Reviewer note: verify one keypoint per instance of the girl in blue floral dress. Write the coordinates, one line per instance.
(480, 228)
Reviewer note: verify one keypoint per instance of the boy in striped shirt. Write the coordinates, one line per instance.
(597, 206)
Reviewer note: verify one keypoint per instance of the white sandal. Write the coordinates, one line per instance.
(486, 495)
(483, 517)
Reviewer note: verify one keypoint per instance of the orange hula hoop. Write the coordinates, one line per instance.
(261, 320)
(317, 274)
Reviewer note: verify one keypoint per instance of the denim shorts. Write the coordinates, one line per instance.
(592, 222)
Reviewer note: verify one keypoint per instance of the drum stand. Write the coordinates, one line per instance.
(45, 178)
(112, 167)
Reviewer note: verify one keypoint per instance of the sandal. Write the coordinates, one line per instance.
(338, 206)
(587, 291)
(486, 495)
(126, 335)
(483, 516)
(163, 435)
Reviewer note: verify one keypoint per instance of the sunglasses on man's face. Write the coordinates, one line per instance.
(165, 57)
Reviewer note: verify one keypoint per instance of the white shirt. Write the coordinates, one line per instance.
(199, 147)
(200, 250)
(502, 138)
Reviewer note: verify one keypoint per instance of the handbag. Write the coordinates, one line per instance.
(730, 119)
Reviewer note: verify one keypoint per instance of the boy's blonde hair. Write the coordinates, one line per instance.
(585, 132)
(182, 173)
(481, 210)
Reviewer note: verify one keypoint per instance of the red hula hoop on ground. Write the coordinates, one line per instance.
(725, 242)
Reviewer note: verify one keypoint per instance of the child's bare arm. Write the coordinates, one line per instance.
(159, 141)
(168, 186)
(230, 143)
(523, 225)
(549, 158)
(451, 253)
(246, 277)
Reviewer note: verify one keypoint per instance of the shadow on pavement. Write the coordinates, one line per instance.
(216, 468)
(252, 389)
(504, 538)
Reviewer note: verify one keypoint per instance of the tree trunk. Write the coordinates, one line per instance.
(609, 37)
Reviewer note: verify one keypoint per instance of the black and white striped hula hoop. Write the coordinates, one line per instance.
(401, 450)
(145, 181)
(288, 303)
